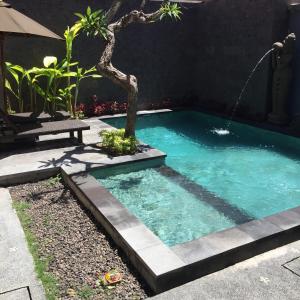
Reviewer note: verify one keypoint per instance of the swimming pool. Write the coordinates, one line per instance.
(209, 182)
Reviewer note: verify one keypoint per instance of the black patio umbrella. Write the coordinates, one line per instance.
(15, 23)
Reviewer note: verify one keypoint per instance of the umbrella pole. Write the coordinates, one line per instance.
(2, 75)
(2, 86)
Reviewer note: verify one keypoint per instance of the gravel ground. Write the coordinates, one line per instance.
(78, 248)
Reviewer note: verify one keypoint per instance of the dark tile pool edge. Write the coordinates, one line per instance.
(150, 256)
(164, 268)
(140, 113)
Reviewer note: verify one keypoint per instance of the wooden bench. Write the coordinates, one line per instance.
(36, 130)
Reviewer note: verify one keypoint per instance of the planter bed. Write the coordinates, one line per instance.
(74, 245)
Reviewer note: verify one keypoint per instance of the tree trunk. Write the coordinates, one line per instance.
(131, 107)
(105, 67)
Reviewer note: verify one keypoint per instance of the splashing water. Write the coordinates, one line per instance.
(226, 131)
(220, 131)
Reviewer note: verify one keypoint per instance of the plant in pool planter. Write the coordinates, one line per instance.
(105, 25)
(116, 143)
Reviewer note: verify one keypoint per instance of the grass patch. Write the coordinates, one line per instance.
(86, 292)
(41, 263)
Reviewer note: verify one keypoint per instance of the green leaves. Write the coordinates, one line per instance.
(8, 87)
(93, 23)
(171, 10)
(18, 75)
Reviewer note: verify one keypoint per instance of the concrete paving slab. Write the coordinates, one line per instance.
(294, 266)
(16, 263)
(262, 277)
(20, 294)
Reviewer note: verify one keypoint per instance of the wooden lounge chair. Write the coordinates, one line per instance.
(14, 131)
(36, 130)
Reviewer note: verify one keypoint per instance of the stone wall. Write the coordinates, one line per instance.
(205, 58)
(232, 36)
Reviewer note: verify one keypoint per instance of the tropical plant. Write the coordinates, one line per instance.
(70, 35)
(53, 72)
(116, 143)
(104, 25)
(18, 75)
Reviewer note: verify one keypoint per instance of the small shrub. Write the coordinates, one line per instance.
(53, 181)
(114, 142)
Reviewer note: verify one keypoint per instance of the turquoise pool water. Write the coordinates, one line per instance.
(252, 172)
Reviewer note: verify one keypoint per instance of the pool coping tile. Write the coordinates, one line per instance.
(139, 237)
(285, 220)
(150, 153)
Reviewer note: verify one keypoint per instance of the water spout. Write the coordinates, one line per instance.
(226, 131)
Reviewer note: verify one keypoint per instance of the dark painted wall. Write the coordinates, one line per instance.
(294, 105)
(206, 57)
(232, 36)
(161, 55)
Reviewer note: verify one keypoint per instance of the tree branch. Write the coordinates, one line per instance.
(113, 10)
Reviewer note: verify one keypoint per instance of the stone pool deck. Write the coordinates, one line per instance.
(50, 155)
(274, 275)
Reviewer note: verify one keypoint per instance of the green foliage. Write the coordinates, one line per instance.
(171, 10)
(18, 74)
(53, 181)
(70, 34)
(52, 72)
(41, 263)
(115, 142)
(56, 82)
(93, 23)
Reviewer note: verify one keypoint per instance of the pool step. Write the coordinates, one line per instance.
(232, 212)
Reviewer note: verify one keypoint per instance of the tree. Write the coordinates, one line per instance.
(102, 23)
